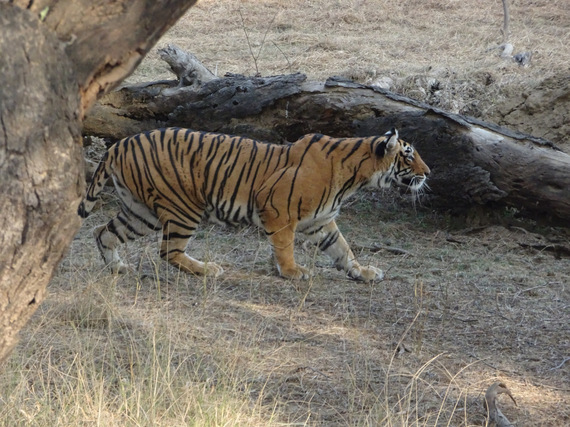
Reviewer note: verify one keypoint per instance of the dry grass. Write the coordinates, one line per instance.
(369, 38)
(458, 311)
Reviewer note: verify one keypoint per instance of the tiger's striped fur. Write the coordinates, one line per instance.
(171, 178)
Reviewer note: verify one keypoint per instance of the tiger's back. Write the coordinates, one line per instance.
(171, 178)
(177, 170)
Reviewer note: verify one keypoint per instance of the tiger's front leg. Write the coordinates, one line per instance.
(330, 240)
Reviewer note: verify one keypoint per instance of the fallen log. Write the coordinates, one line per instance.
(473, 163)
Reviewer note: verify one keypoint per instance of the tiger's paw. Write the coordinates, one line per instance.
(212, 269)
(296, 272)
(366, 274)
(119, 267)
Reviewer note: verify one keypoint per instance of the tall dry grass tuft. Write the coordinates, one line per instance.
(88, 360)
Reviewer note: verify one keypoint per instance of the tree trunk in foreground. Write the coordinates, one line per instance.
(473, 163)
(56, 58)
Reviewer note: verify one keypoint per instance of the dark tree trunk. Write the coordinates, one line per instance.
(52, 69)
(473, 163)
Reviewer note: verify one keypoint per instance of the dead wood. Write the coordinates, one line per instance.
(473, 162)
(398, 251)
(494, 413)
(185, 65)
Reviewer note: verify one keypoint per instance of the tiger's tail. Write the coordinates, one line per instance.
(102, 173)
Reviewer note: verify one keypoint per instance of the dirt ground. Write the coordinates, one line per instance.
(460, 308)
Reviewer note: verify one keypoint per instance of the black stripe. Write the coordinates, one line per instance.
(182, 225)
(154, 227)
(381, 147)
(236, 216)
(236, 190)
(348, 184)
(252, 157)
(329, 240)
(334, 146)
(322, 202)
(168, 252)
(129, 227)
(175, 235)
(313, 140)
(313, 232)
(140, 187)
(112, 229)
(186, 208)
(81, 210)
(355, 147)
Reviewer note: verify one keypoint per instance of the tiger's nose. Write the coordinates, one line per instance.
(427, 171)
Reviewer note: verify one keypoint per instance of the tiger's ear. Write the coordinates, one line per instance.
(388, 144)
(392, 140)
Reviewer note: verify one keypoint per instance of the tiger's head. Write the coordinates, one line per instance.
(401, 164)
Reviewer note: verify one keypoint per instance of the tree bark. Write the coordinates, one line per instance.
(56, 58)
(39, 184)
(105, 39)
(473, 162)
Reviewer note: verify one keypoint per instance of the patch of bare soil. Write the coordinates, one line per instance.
(542, 110)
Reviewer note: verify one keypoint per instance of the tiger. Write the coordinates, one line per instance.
(171, 179)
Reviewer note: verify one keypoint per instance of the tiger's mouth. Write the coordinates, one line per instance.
(414, 183)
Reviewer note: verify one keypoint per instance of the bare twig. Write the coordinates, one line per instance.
(376, 247)
(248, 42)
(558, 249)
(527, 290)
(561, 364)
(398, 251)
(506, 17)
(256, 57)
(316, 371)
(451, 239)
(285, 56)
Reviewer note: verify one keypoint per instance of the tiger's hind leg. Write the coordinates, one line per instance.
(132, 222)
(283, 245)
(176, 232)
(330, 240)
